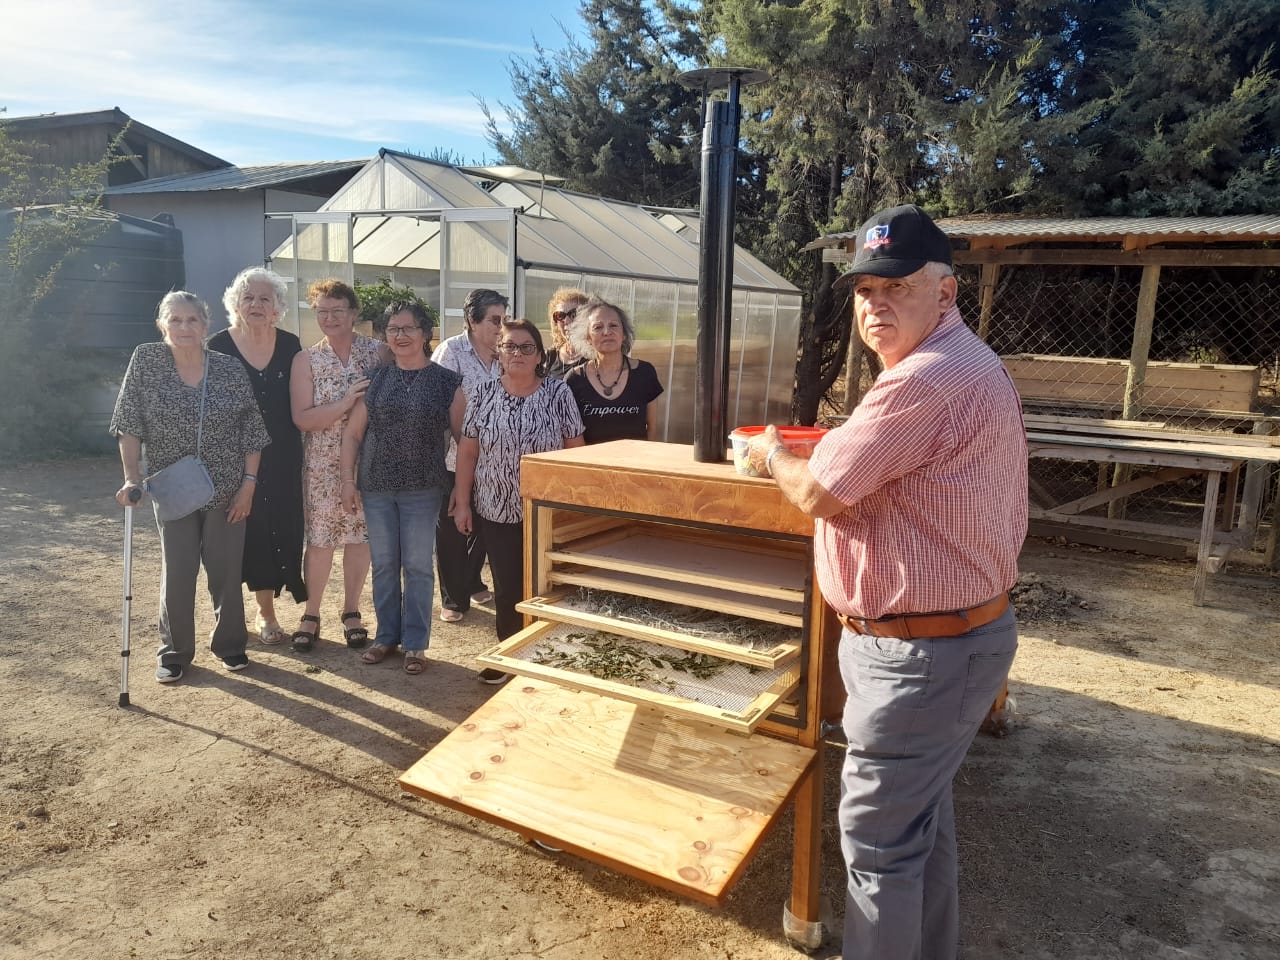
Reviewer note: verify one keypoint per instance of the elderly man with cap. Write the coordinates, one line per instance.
(921, 503)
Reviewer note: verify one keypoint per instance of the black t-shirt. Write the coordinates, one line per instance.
(616, 418)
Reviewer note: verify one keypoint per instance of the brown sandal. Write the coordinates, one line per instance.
(356, 637)
(377, 653)
(415, 661)
(303, 639)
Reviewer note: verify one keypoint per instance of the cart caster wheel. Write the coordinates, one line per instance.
(804, 934)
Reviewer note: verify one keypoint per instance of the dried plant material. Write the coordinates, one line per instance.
(680, 618)
(706, 679)
(611, 658)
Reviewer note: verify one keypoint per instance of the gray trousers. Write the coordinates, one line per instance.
(204, 537)
(913, 709)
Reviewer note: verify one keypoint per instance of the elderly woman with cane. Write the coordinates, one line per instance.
(177, 400)
(273, 537)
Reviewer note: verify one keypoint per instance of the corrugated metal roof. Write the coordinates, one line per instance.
(1256, 227)
(238, 178)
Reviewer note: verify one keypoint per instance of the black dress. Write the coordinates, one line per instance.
(273, 533)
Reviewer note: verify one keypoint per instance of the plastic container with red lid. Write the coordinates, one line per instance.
(799, 440)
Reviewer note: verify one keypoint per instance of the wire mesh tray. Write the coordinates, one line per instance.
(685, 627)
(733, 695)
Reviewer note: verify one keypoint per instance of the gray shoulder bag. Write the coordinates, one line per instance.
(182, 488)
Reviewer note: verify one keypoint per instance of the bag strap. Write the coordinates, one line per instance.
(204, 392)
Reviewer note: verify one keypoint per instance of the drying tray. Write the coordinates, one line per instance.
(569, 608)
(651, 551)
(736, 698)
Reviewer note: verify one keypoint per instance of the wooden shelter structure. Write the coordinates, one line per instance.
(1146, 345)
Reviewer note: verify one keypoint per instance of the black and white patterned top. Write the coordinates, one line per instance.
(164, 413)
(507, 428)
(405, 442)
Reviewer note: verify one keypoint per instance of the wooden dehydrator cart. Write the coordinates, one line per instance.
(673, 771)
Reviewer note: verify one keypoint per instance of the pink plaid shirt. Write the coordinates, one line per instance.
(933, 467)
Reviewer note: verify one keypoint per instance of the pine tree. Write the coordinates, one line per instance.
(609, 114)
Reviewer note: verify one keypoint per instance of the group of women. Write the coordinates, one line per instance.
(384, 448)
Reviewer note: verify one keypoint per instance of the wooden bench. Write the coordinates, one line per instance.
(1152, 456)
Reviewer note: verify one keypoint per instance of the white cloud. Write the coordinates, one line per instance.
(189, 68)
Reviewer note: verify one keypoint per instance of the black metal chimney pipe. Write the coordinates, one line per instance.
(715, 282)
(715, 256)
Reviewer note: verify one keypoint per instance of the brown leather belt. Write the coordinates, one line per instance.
(913, 626)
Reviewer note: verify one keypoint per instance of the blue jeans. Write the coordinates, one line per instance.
(402, 537)
(913, 708)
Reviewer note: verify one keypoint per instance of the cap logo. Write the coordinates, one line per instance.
(877, 236)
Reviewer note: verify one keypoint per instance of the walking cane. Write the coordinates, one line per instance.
(135, 494)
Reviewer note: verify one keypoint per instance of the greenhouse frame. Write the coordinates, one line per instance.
(444, 230)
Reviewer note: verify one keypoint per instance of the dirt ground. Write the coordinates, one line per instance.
(1133, 812)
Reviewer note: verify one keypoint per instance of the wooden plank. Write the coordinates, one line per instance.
(1159, 478)
(786, 612)
(646, 479)
(1068, 448)
(742, 570)
(1222, 454)
(549, 608)
(986, 298)
(1107, 523)
(1206, 539)
(569, 525)
(508, 656)
(1147, 430)
(1198, 257)
(1112, 540)
(680, 805)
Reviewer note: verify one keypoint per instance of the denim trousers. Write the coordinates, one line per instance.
(402, 536)
(912, 711)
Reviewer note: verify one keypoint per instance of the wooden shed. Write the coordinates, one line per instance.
(1122, 333)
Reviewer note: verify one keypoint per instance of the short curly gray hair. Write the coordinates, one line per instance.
(231, 298)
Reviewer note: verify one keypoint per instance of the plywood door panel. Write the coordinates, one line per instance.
(679, 805)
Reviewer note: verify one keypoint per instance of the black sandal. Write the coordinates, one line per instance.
(357, 637)
(301, 639)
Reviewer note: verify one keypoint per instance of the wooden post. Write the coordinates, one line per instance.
(853, 370)
(987, 297)
(1256, 475)
(1212, 479)
(1141, 348)
(1135, 381)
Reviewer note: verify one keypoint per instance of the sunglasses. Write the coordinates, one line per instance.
(563, 315)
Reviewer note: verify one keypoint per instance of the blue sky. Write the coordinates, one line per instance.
(257, 82)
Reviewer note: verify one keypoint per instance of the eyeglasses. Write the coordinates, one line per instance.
(337, 313)
(563, 315)
(398, 331)
(524, 349)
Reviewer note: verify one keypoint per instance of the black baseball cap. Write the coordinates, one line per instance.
(897, 242)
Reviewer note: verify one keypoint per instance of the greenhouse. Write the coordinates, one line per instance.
(445, 230)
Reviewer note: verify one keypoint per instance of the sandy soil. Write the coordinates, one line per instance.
(1134, 811)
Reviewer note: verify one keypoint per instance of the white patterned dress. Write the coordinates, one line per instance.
(328, 524)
